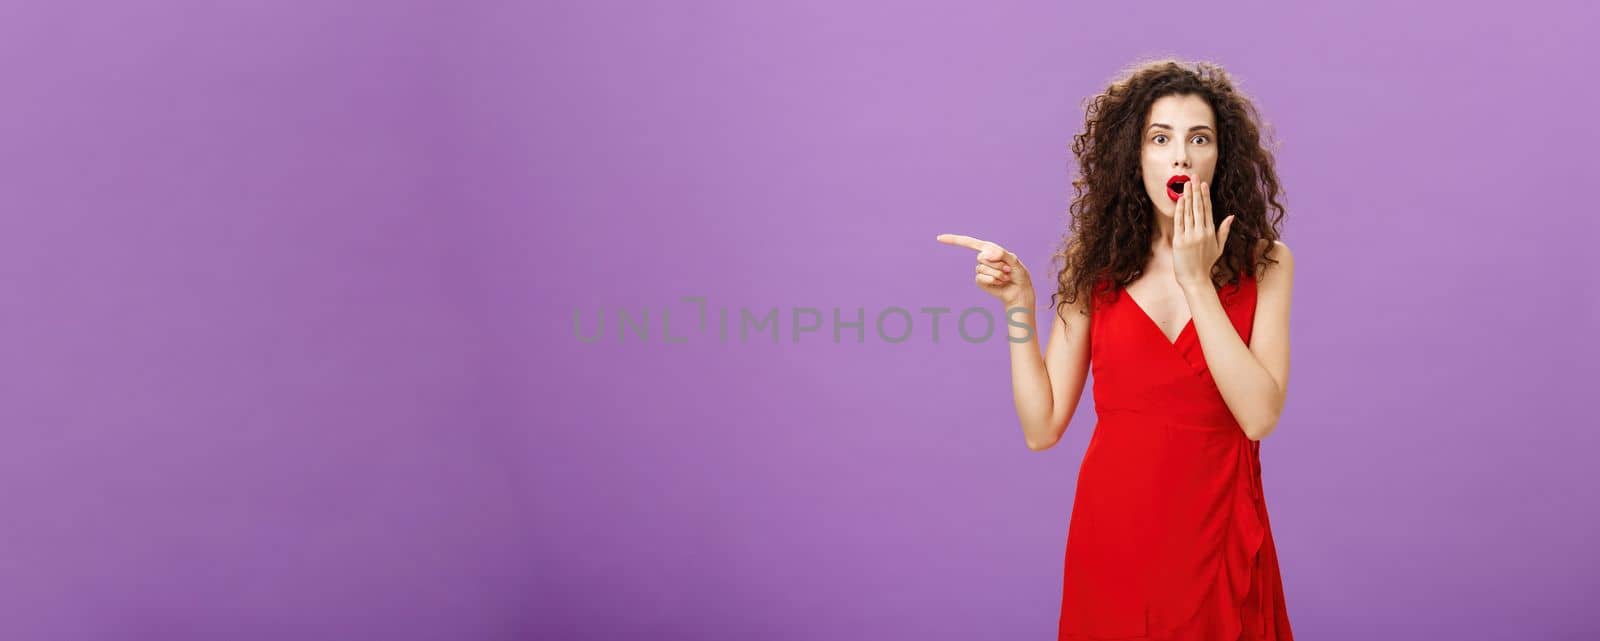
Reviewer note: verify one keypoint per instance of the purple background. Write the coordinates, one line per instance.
(289, 296)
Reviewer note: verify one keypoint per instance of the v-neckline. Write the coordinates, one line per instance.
(1171, 342)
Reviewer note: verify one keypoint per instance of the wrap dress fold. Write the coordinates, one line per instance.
(1168, 538)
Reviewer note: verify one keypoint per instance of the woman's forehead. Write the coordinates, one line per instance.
(1180, 112)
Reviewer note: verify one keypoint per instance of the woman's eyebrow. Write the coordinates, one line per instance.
(1194, 128)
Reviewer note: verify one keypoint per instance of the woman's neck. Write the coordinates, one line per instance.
(1162, 238)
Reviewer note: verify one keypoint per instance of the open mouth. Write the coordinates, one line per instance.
(1175, 186)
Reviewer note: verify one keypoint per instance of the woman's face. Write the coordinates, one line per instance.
(1180, 138)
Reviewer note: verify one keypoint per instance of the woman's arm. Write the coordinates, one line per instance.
(1047, 389)
(1254, 378)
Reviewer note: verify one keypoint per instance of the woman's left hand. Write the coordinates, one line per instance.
(1196, 241)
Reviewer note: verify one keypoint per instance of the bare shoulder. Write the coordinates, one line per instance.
(1281, 270)
(1072, 315)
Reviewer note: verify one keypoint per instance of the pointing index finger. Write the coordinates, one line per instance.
(963, 241)
(986, 250)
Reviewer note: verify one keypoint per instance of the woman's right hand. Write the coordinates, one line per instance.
(999, 272)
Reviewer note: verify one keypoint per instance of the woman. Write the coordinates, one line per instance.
(1184, 320)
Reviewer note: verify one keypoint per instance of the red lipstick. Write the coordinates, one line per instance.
(1175, 186)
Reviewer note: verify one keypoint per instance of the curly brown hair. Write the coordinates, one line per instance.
(1110, 236)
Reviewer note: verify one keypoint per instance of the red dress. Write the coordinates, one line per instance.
(1169, 539)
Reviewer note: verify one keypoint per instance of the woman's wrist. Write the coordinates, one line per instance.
(1026, 301)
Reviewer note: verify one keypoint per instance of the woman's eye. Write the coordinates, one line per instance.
(1201, 138)
(1159, 138)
